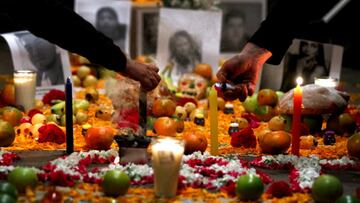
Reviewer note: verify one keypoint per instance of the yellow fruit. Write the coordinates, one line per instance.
(90, 81)
(83, 72)
(38, 118)
(7, 134)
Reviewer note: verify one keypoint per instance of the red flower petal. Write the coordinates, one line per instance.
(245, 138)
(53, 94)
(279, 189)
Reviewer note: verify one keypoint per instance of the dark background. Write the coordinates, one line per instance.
(342, 30)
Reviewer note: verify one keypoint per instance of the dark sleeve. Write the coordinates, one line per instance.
(286, 19)
(52, 21)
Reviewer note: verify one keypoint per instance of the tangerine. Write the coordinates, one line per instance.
(204, 70)
(194, 141)
(275, 142)
(165, 126)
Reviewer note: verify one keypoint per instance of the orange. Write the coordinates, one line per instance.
(163, 107)
(194, 141)
(275, 142)
(267, 97)
(204, 70)
(353, 145)
(8, 94)
(165, 126)
(99, 138)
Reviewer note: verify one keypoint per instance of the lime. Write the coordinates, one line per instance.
(8, 188)
(5, 198)
(347, 199)
(327, 188)
(22, 177)
(249, 187)
(115, 183)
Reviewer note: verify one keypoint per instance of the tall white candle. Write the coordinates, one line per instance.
(25, 87)
(166, 160)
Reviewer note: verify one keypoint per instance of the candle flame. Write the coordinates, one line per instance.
(299, 80)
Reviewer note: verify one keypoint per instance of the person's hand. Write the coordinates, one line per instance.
(242, 71)
(146, 74)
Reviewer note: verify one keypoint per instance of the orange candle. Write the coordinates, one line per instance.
(296, 121)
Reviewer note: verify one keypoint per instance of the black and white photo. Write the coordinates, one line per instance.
(110, 17)
(184, 52)
(305, 58)
(45, 59)
(29, 52)
(240, 20)
(147, 30)
(184, 42)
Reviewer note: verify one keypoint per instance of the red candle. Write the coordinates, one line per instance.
(296, 121)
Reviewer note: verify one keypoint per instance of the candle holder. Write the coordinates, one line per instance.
(25, 88)
(326, 82)
(166, 160)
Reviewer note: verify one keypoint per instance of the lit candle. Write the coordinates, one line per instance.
(166, 160)
(69, 117)
(214, 142)
(25, 88)
(326, 82)
(296, 121)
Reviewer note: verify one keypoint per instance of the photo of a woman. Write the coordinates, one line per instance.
(108, 23)
(309, 63)
(184, 52)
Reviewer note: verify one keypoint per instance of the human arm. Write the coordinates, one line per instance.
(269, 43)
(52, 21)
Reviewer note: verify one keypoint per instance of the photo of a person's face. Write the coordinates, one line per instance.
(234, 29)
(184, 49)
(106, 20)
(310, 48)
(42, 54)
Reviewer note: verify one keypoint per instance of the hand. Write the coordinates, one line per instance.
(242, 71)
(146, 74)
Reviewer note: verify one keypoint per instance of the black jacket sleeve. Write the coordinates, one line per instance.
(54, 22)
(287, 18)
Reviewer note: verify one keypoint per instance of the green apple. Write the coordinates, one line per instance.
(279, 94)
(326, 188)
(22, 177)
(58, 109)
(250, 104)
(249, 187)
(115, 183)
(63, 120)
(81, 104)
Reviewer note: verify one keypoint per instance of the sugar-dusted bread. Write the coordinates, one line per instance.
(316, 100)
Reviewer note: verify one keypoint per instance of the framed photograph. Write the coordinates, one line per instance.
(29, 52)
(241, 18)
(184, 42)
(305, 58)
(147, 24)
(110, 17)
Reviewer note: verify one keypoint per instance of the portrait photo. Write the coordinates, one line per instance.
(29, 52)
(147, 22)
(183, 43)
(305, 58)
(240, 20)
(110, 17)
